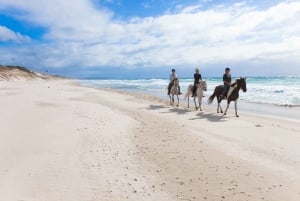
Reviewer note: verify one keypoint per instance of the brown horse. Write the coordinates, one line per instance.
(232, 95)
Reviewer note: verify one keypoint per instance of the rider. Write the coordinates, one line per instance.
(173, 75)
(227, 81)
(197, 78)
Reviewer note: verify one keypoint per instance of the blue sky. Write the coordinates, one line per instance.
(82, 38)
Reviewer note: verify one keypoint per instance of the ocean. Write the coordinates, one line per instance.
(281, 91)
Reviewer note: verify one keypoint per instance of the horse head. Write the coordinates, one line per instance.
(176, 81)
(204, 85)
(242, 83)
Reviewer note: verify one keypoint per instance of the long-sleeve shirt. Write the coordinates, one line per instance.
(197, 78)
(172, 76)
(227, 78)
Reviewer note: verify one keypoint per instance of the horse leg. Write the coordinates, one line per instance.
(170, 99)
(219, 99)
(200, 101)
(188, 101)
(228, 103)
(221, 108)
(235, 107)
(173, 100)
(177, 100)
(195, 103)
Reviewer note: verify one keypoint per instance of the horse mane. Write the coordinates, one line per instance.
(237, 80)
(233, 84)
(175, 79)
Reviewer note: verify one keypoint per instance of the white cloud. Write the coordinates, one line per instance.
(82, 34)
(65, 19)
(9, 35)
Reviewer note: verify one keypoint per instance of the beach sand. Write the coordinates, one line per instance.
(63, 142)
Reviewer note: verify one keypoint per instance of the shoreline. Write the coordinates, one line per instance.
(66, 142)
(261, 109)
(269, 90)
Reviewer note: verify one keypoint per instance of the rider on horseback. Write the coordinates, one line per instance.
(227, 82)
(197, 78)
(173, 76)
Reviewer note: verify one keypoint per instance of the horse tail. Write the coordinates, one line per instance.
(188, 92)
(211, 98)
(186, 95)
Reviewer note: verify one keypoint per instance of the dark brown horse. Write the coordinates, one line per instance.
(232, 95)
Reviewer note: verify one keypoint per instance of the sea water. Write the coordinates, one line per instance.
(281, 91)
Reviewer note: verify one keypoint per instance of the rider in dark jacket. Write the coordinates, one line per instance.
(227, 81)
(197, 78)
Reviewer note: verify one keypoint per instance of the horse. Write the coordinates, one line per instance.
(174, 92)
(232, 95)
(202, 86)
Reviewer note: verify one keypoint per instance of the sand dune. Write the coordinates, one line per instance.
(60, 141)
(15, 73)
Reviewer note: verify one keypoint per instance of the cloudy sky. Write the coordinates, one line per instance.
(93, 37)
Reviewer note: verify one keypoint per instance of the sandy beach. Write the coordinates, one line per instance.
(63, 142)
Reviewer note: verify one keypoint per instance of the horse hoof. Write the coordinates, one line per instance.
(237, 116)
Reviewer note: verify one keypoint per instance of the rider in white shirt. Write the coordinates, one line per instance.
(173, 75)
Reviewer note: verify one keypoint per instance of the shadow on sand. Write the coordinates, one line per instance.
(213, 117)
(210, 117)
(156, 107)
(179, 110)
(172, 109)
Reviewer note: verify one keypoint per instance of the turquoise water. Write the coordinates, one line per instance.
(281, 91)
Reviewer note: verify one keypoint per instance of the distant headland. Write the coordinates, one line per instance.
(11, 73)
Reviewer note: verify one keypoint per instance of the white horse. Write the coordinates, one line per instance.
(174, 92)
(202, 86)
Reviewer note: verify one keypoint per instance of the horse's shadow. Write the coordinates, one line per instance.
(210, 117)
(173, 110)
(156, 107)
(200, 115)
(179, 110)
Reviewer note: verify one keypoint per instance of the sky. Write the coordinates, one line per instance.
(147, 38)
